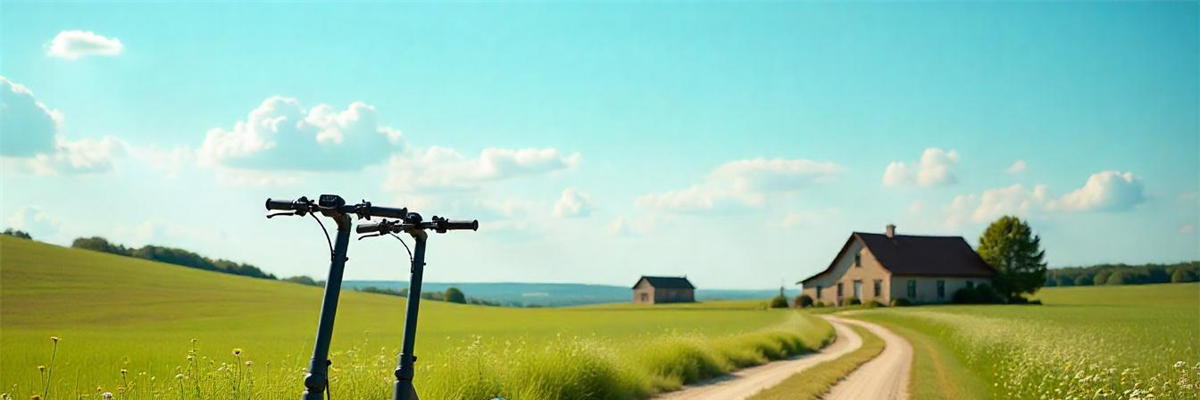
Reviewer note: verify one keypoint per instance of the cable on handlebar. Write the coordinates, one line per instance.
(326, 231)
(410, 256)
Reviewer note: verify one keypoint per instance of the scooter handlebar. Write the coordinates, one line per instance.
(273, 204)
(385, 212)
(449, 225)
(373, 227)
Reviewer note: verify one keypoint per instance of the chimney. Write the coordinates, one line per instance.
(891, 231)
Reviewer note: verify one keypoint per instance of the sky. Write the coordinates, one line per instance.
(736, 143)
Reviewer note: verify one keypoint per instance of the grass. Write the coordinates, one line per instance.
(1098, 342)
(817, 381)
(141, 329)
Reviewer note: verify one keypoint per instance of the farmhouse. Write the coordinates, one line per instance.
(663, 289)
(884, 267)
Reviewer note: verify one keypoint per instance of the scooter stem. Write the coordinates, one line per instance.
(317, 380)
(404, 372)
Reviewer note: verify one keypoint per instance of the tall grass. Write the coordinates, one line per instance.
(560, 368)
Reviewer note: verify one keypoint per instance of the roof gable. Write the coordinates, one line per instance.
(666, 282)
(908, 255)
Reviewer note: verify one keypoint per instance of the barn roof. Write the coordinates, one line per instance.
(910, 255)
(666, 282)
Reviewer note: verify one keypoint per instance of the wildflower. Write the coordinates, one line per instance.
(36, 397)
(41, 368)
(178, 376)
(123, 371)
(237, 351)
(107, 395)
(249, 363)
(55, 339)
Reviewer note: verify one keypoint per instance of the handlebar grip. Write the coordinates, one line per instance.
(370, 227)
(453, 225)
(388, 212)
(280, 204)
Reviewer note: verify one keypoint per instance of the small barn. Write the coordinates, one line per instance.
(663, 289)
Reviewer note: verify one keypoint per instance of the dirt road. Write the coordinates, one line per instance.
(883, 378)
(745, 383)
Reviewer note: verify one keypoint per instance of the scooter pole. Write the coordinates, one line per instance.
(404, 372)
(317, 380)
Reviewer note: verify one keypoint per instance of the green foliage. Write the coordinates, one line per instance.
(1083, 280)
(1117, 278)
(305, 280)
(1182, 275)
(1009, 246)
(851, 301)
(779, 302)
(1103, 274)
(873, 304)
(803, 301)
(980, 294)
(454, 295)
(171, 256)
(901, 302)
(17, 234)
(120, 312)
(819, 304)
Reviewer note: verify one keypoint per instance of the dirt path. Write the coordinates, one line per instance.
(745, 383)
(883, 378)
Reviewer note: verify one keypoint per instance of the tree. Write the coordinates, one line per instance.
(17, 233)
(1101, 278)
(454, 295)
(1010, 247)
(779, 302)
(1182, 275)
(1083, 280)
(1117, 278)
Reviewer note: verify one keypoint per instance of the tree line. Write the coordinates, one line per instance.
(1123, 274)
(184, 258)
(451, 295)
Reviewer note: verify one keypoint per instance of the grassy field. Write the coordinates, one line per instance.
(1122, 342)
(141, 329)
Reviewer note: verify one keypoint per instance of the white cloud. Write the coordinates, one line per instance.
(27, 125)
(573, 203)
(32, 141)
(75, 44)
(34, 221)
(622, 226)
(439, 168)
(1017, 167)
(1106, 191)
(281, 135)
(937, 167)
(1187, 229)
(743, 183)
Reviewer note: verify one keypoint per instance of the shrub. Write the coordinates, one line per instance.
(819, 304)
(901, 302)
(987, 295)
(853, 301)
(454, 295)
(873, 304)
(1018, 300)
(804, 301)
(965, 296)
(779, 302)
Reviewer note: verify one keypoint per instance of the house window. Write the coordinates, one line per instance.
(941, 285)
(878, 287)
(858, 289)
(858, 259)
(970, 285)
(818, 292)
(839, 290)
(912, 289)
(645, 297)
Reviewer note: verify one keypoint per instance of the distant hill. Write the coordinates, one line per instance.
(557, 294)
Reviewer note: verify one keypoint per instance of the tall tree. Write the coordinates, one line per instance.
(454, 295)
(1010, 246)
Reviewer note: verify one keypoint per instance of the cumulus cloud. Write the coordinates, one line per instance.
(35, 221)
(1017, 167)
(32, 141)
(282, 135)
(936, 167)
(28, 126)
(1106, 191)
(573, 203)
(440, 169)
(743, 183)
(76, 44)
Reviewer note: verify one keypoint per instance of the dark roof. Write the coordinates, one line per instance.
(667, 282)
(906, 255)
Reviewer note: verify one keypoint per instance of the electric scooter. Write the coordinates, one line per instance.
(413, 225)
(316, 382)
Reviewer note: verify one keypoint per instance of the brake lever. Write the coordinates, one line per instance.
(369, 236)
(291, 213)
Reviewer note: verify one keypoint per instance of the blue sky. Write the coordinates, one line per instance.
(738, 143)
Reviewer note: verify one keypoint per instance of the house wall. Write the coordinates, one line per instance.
(927, 287)
(641, 289)
(662, 295)
(846, 273)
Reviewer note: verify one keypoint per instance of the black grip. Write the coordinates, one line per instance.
(273, 204)
(387, 212)
(454, 225)
(371, 227)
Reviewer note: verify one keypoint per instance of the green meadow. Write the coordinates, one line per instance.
(140, 329)
(1096, 342)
